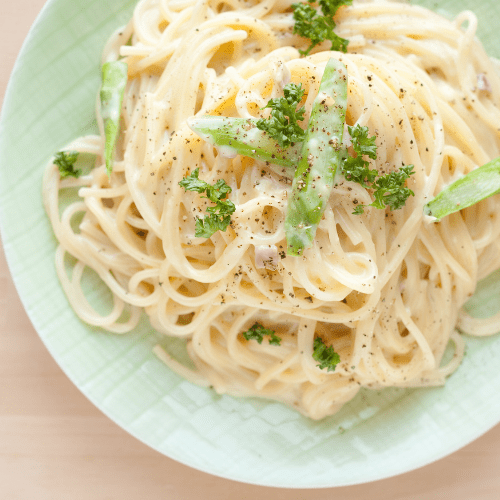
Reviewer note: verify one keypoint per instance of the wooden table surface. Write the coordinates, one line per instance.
(54, 444)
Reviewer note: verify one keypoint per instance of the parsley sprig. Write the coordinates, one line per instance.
(283, 125)
(66, 163)
(326, 356)
(318, 28)
(357, 169)
(389, 189)
(257, 332)
(219, 215)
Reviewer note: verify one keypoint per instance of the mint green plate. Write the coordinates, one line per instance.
(50, 100)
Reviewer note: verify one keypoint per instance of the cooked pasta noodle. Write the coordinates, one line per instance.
(385, 288)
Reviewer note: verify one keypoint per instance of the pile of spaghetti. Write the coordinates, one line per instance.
(383, 288)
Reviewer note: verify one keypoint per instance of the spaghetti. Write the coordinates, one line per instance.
(384, 288)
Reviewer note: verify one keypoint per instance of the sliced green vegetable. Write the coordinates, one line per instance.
(257, 332)
(322, 153)
(309, 24)
(272, 140)
(470, 189)
(220, 215)
(66, 163)
(326, 356)
(282, 125)
(114, 80)
(240, 136)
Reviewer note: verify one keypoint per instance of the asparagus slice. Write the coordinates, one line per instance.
(114, 80)
(240, 136)
(322, 153)
(466, 191)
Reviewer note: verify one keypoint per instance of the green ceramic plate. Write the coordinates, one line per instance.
(50, 100)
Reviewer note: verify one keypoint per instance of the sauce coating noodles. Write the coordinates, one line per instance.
(385, 288)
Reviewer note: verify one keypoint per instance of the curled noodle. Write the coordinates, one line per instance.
(385, 289)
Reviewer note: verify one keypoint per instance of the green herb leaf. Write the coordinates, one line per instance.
(257, 332)
(283, 125)
(357, 169)
(309, 24)
(330, 7)
(66, 163)
(207, 226)
(326, 356)
(389, 189)
(361, 143)
(360, 209)
(219, 215)
(194, 183)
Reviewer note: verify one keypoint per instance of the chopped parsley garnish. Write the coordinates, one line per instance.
(358, 169)
(219, 215)
(389, 189)
(257, 332)
(283, 125)
(318, 28)
(361, 143)
(326, 356)
(477, 185)
(66, 163)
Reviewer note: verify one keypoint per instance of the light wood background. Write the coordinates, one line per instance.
(55, 445)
